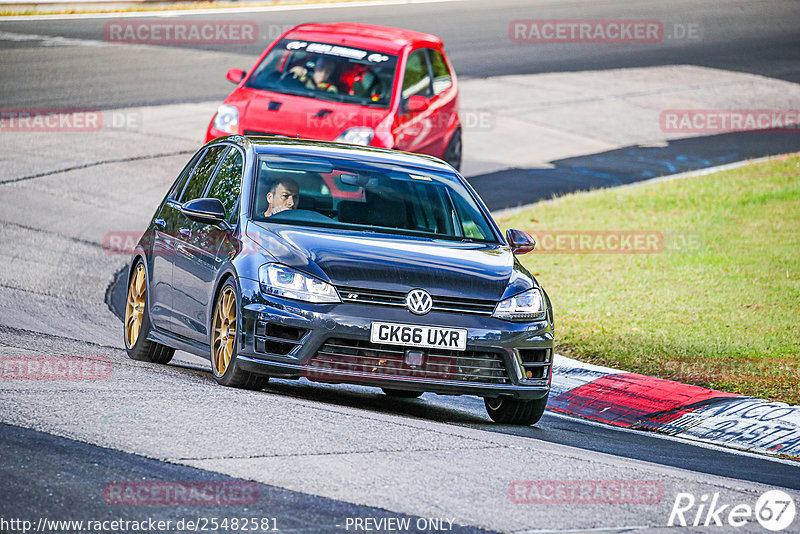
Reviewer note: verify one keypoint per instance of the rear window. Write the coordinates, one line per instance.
(328, 192)
(328, 72)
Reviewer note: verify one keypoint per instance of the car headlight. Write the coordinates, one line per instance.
(286, 282)
(527, 305)
(357, 136)
(227, 119)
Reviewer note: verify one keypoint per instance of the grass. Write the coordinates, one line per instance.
(717, 306)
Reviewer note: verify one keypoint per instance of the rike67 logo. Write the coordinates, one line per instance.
(774, 510)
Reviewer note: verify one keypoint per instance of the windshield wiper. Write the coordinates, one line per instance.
(329, 96)
(370, 103)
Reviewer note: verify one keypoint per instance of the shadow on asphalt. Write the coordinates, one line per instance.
(569, 431)
(373, 399)
(64, 479)
(468, 411)
(515, 187)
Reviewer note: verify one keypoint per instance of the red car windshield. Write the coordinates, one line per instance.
(328, 72)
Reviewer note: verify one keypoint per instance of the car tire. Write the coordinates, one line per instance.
(136, 322)
(510, 411)
(452, 154)
(224, 337)
(402, 394)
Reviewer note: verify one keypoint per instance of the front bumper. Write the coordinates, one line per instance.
(286, 338)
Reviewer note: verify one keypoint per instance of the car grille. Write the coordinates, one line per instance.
(398, 298)
(347, 356)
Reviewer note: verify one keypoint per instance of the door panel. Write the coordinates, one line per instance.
(196, 260)
(192, 268)
(161, 306)
(193, 276)
(165, 224)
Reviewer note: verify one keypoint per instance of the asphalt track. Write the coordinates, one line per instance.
(761, 38)
(123, 429)
(32, 458)
(758, 37)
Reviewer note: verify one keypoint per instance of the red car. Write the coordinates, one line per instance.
(351, 83)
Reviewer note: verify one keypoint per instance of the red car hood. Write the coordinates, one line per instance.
(308, 118)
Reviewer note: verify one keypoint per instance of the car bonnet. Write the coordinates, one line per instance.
(393, 262)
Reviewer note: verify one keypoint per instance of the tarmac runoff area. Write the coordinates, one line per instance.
(64, 192)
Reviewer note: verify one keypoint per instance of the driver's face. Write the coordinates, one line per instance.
(322, 73)
(284, 198)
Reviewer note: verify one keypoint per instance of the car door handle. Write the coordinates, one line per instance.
(185, 232)
(160, 222)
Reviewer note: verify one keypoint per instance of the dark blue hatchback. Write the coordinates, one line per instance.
(344, 264)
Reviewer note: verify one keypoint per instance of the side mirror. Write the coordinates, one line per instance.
(235, 75)
(205, 210)
(520, 242)
(418, 103)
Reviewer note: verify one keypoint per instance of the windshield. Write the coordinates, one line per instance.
(327, 72)
(334, 193)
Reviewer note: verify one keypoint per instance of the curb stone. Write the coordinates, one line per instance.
(631, 400)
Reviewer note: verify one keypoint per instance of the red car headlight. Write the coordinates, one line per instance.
(227, 119)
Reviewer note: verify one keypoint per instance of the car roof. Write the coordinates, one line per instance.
(367, 36)
(309, 147)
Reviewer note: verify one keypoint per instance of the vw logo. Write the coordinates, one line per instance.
(419, 301)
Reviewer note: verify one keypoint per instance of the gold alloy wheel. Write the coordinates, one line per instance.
(134, 308)
(224, 333)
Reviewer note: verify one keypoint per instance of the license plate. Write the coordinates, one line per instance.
(411, 335)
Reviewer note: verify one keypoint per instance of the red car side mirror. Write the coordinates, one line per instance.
(519, 241)
(235, 75)
(418, 103)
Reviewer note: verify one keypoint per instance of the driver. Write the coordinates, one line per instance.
(283, 195)
(321, 75)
